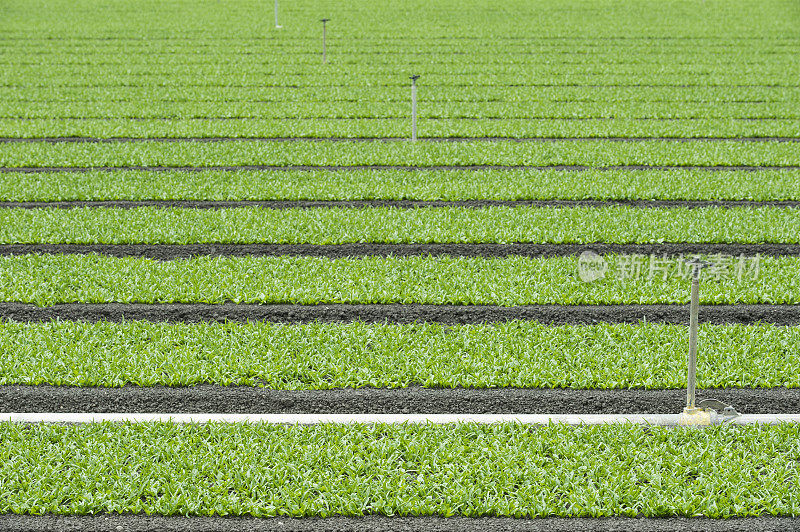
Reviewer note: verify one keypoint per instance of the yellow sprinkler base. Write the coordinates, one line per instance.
(695, 417)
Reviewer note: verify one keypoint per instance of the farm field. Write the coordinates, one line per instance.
(198, 214)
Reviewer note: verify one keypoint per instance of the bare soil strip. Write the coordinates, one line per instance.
(398, 313)
(185, 251)
(301, 168)
(60, 140)
(398, 204)
(374, 523)
(213, 399)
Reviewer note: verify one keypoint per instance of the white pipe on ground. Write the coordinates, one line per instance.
(437, 419)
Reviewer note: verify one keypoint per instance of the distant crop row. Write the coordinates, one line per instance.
(400, 184)
(718, 96)
(499, 470)
(331, 76)
(327, 356)
(206, 48)
(50, 279)
(663, 25)
(310, 64)
(439, 224)
(225, 43)
(591, 153)
(250, 58)
(398, 109)
(105, 127)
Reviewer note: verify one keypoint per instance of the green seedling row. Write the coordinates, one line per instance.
(397, 77)
(243, 127)
(758, 185)
(400, 109)
(532, 51)
(326, 153)
(353, 355)
(399, 225)
(659, 26)
(470, 470)
(49, 279)
(434, 94)
(310, 71)
(505, 56)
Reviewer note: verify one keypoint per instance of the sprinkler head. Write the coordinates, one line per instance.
(324, 20)
(413, 78)
(698, 264)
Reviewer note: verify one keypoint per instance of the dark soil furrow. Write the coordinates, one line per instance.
(399, 204)
(478, 167)
(210, 398)
(399, 313)
(185, 251)
(375, 523)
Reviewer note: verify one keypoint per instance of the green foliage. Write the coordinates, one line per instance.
(463, 127)
(465, 469)
(323, 356)
(581, 68)
(336, 226)
(399, 184)
(326, 153)
(50, 279)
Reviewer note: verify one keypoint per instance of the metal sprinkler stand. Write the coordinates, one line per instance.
(414, 107)
(324, 54)
(707, 411)
(277, 26)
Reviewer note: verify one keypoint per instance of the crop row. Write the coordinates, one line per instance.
(397, 80)
(700, 43)
(590, 153)
(572, 49)
(49, 279)
(393, 225)
(398, 109)
(716, 95)
(327, 75)
(310, 64)
(308, 54)
(467, 469)
(327, 356)
(395, 127)
(758, 185)
(732, 22)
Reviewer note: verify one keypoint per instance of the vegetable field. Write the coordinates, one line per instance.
(198, 214)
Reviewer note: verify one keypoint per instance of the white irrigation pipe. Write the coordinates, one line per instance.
(313, 419)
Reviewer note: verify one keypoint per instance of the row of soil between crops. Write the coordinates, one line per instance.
(377, 523)
(211, 398)
(167, 252)
(397, 204)
(399, 313)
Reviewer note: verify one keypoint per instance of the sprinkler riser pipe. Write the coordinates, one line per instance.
(324, 44)
(694, 311)
(414, 110)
